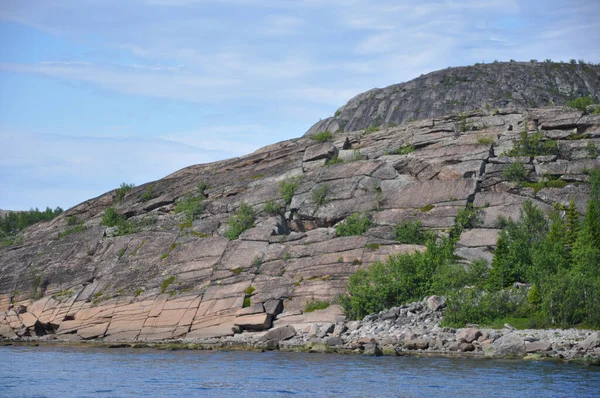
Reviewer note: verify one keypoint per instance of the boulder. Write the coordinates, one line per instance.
(7, 333)
(537, 346)
(273, 307)
(468, 335)
(592, 341)
(279, 334)
(254, 322)
(466, 347)
(372, 349)
(434, 303)
(510, 345)
(333, 341)
(325, 329)
(28, 319)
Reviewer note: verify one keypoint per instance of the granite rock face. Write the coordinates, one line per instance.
(178, 279)
(462, 89)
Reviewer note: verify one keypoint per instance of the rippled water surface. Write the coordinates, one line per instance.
(124, 372)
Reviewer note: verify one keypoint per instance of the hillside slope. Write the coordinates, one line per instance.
(167, 277)
(454, 90)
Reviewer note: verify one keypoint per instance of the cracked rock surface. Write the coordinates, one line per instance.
(174, 279)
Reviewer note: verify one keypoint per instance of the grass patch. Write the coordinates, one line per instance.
(537, 186)
(485, 140)
(372, 129)
(237, 270)
(257, 176)
(247, 302)
(75, 226)
(165, 284)
(313, 305)
(249, 290)
(322, 136)
(427, 208)
(138, 291)
(403, 150)
(372, 247)
(334, 160)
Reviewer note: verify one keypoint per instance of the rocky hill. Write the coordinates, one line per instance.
(454, 90)
(172, 265)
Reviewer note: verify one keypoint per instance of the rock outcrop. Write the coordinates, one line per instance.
(453, 90)
(75, 279)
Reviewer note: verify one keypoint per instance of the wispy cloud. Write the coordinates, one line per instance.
(248, 72)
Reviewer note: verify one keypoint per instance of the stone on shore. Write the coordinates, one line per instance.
(280, 334)
(538, 346)
(508, 346)
(468, 335)
(592, 341)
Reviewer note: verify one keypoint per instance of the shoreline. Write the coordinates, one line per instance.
(409, 330)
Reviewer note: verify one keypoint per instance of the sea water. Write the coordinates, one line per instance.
(126, 372)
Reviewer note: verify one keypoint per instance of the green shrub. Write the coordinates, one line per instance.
(469, 217)
(401, 278)
(581, 103)
(249, 290)
(112, 218)
(533, 144)
(322, 136)
(122, 191)
(272, 207)
(592, 151)
(313, 305)
(515, 172)
(147, 195)
(202, 186)
(241, 221)
(337, 113)
(372, 129)
(190, 205)
(288, 188)
(354, 224)
(463, 126)
(319, 195)
(412, 233)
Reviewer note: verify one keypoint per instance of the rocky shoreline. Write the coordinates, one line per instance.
(411, 329)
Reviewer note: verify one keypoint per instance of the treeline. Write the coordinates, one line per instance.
(14, 222)
(545, 273)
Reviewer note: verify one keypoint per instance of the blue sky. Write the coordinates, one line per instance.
(98, 92)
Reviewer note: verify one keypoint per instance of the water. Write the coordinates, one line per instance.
(90, 372)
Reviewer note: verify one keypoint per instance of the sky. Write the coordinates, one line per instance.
(94, 93)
